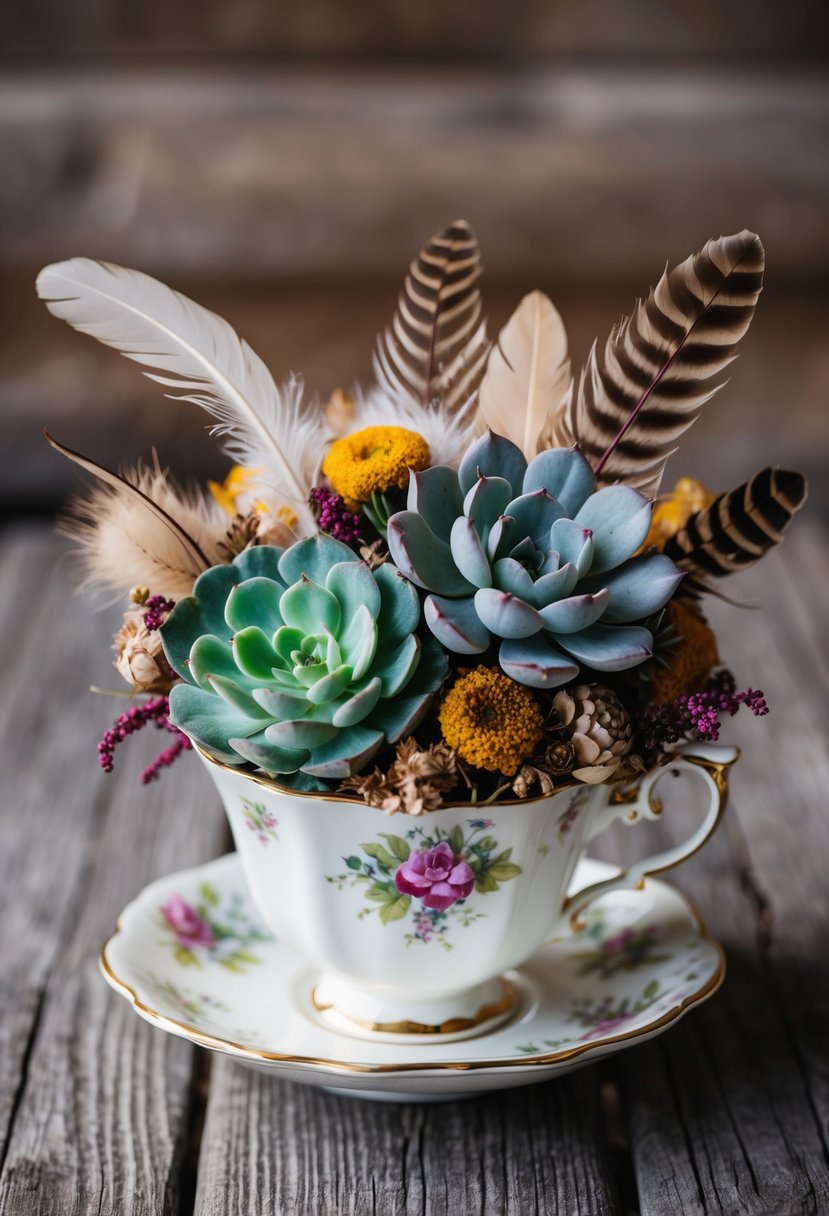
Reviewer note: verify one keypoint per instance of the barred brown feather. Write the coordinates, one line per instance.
(639, 394)
(435, 349)
(738, 528)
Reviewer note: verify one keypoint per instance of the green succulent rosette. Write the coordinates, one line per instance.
(300, 661)
(533, 555)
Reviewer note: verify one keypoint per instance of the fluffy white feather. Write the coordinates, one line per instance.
(527, 375)
(447, 434)
(200, 356)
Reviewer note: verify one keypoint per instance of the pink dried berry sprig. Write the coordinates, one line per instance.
(334, 517)
(696, 715)
(155, 611)
(154, 711)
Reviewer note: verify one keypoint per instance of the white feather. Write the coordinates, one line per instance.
(204, 360)
(527, 375)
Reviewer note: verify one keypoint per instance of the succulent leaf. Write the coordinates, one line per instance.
(536, 557)
(492, 456)
(564, 474)
(307, 684)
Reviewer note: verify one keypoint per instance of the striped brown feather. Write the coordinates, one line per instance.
(435, 349)
(643, 390)
(739, 527)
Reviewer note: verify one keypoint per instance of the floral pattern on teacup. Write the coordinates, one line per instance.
(259, 821)
(431, 875)
(211, 932)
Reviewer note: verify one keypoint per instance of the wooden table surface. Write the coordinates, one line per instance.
(99, 1112)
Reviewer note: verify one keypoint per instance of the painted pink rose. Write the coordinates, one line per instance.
(436, 877)
(190, 928)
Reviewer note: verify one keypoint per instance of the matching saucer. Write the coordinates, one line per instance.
(194, 958)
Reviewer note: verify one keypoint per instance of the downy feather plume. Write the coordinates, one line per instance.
(447, 435)
(436, 348)
(527, 376)
(141, 530)
(204, 361)
(739, 527)
(639, 394)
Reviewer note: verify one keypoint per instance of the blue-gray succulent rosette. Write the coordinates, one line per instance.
(533, 558)
(300, 661)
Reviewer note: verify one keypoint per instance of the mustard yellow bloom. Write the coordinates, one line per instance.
(692, 660)
(237, 482)
(490, 721)
(377, 458)
(672, 513)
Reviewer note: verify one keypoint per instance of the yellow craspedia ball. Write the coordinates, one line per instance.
(377, 458)
(692, 661)
(490, 721)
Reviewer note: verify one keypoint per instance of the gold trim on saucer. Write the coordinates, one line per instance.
(452, 1026)
(174, 1026)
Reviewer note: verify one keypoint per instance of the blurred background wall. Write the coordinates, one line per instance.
(282, 163)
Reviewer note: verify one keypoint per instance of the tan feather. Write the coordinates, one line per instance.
(141, 530)
(643, 390)
(527, 375)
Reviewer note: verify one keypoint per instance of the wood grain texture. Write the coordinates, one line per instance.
(603, 173)
(271, 1146)
(99, 1103)
(99, 1113)
(730, 1112)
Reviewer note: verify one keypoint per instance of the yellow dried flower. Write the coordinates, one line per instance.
(377, 458)
(491, 721)
(673, 513)
(234, 485)
(693, 659)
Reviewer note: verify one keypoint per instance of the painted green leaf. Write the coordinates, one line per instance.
(651, 990)
(456, 838)
(185, 957)
(505, 856)
(395, 910)
(380, 855)
(504, 871)
(486, 883)
(398, 846)
(487, 844)
(379, 893)
(243, 956)
(209, 894)
(353, 863)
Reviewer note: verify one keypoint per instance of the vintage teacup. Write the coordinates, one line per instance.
(409, 922)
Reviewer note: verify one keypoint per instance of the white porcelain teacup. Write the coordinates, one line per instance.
(411, 921)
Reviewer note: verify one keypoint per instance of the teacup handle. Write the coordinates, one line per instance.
(712, 764)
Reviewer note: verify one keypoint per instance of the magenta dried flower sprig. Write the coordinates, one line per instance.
(156, 712)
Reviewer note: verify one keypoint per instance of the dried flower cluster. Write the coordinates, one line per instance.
(459, 583)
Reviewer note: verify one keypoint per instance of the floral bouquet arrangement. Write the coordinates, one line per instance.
(461, 584)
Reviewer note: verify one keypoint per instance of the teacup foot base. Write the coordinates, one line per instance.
(368, 1015)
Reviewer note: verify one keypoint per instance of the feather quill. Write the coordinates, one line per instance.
(435, 349)
(739, 527)
(639, 394)
(141, 529)
(199, 356)
(527, 375)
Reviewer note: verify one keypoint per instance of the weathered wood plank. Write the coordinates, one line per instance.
(98, 1102)
(729, 1111)
(273, 1146)
(587, 173)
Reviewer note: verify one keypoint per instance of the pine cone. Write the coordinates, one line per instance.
(599, 727)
